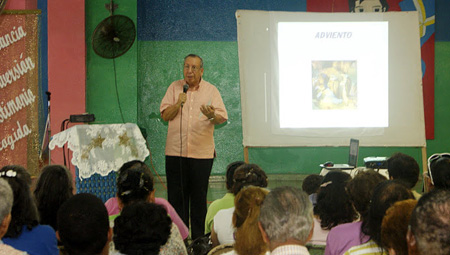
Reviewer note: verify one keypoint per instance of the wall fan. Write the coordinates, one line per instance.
(2, 5)
(113, 36)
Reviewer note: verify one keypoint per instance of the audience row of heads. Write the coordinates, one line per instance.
(385, 206)
(141, 228)
(135, 180)
(352, 196)
(368, 196)
(404, 168)
(81, 221)
(53, 188)
(26, 209)
(135, 188)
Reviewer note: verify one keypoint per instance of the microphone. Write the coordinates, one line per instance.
(185, 89)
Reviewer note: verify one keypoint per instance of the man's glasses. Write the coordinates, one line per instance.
(193, 68)
(433, 158)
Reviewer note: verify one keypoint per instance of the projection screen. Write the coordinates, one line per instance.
(319, 79)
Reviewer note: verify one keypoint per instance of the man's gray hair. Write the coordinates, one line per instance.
(430, 223)
(286, 213)
(6, 199)
(195, 56)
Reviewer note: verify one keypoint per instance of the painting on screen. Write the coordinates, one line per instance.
(334, 85)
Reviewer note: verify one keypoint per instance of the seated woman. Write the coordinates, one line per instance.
(222, 231)
(438, 175)
(142, 228)
(333, 206)
(249, 240)
(6, 202)
(227, 201)
(311, 185)
(135, 185)
(394, 227)
(53, 188)
(360, 190)
(24, 232)
(384, 196)
(112, 204)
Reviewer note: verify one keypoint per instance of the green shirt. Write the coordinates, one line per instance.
(225, 202)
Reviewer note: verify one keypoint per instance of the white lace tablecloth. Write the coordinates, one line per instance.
(102, 148)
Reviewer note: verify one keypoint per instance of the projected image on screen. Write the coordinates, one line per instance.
(334, 85)
(332, 75)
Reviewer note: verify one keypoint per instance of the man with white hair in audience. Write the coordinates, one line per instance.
(286, 221)
(6, 202)
(429, 224)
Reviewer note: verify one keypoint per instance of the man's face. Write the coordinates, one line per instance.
(192, 71)
(368, 6)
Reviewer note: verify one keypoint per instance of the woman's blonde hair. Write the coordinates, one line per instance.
(245, 219)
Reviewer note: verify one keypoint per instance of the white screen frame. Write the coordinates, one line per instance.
(259, 83)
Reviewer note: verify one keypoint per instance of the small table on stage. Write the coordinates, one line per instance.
(99, 151)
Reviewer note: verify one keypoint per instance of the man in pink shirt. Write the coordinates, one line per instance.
(192, 107)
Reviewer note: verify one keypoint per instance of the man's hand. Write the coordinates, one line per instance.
(172, 111)
(181, 99)
(208, 111)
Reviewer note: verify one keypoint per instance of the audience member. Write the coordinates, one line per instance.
(311, 185)
(245, 219)
(112, 204)
(384, 195)
(135, 185)
(227, 201)
(438, 172)
(24, 232)
(246, 175)
(395, 226)
(83, 226)
(286, 220)
(359, 189)
(404, 168)
(430, 223)
(141, 229)
(6, 202)
(53, 188)
(333, 206)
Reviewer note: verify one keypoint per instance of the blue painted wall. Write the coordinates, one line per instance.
(200, 20)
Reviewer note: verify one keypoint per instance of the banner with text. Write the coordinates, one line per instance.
(19, 91)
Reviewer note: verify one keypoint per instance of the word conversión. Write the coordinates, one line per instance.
(22, 67)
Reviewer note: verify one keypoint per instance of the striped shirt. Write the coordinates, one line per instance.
(369, 248)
